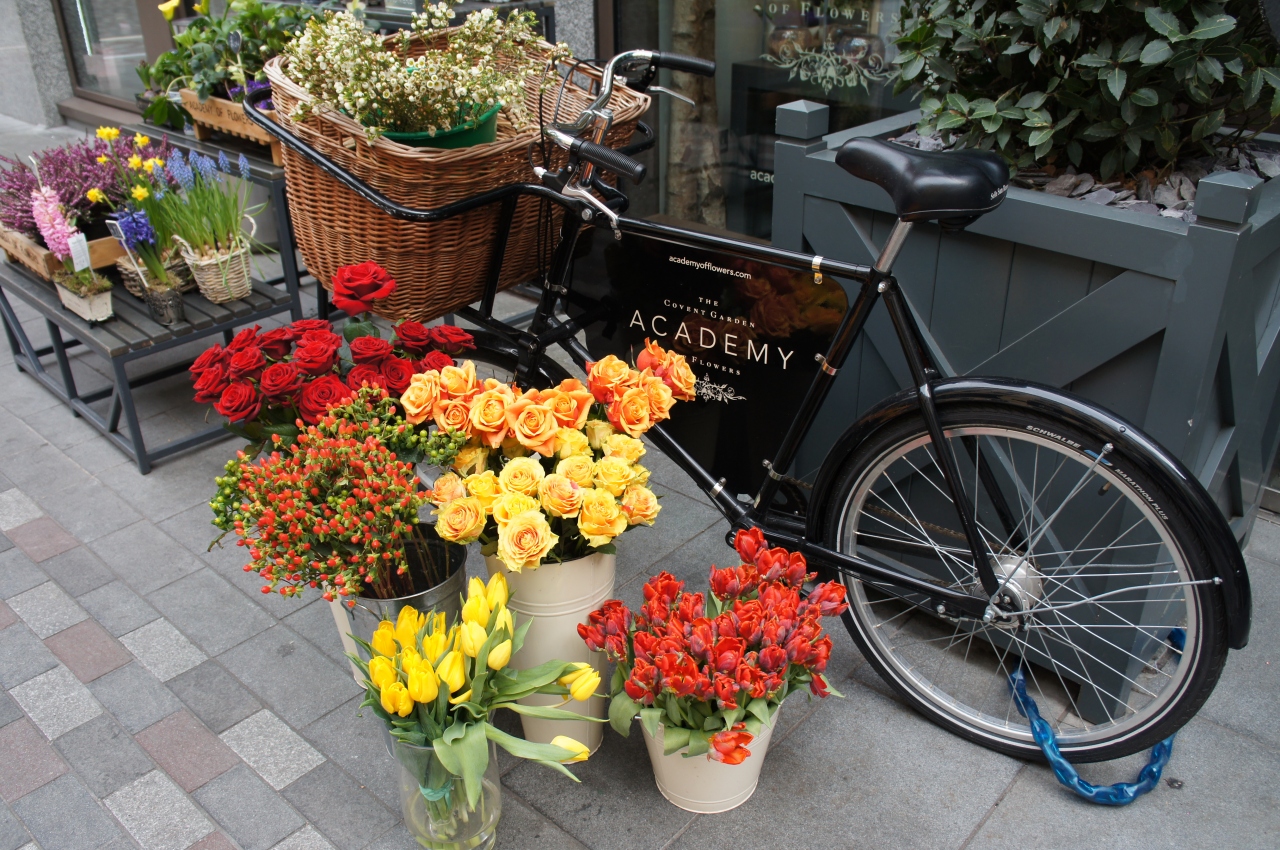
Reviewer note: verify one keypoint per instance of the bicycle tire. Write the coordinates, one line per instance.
(937, 681)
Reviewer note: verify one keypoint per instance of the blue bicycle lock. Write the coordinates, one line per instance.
(1120, 794)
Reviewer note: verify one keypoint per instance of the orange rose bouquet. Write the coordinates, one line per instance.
(547, 474)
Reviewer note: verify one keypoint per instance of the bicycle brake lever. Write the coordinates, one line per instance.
(677, 95)
(575, 191)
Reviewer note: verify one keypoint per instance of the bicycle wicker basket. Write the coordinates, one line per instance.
(439, 266)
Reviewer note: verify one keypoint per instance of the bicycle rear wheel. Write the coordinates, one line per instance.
(1110, 605)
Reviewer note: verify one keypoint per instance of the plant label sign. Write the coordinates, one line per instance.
(750, 331)
(79, 252)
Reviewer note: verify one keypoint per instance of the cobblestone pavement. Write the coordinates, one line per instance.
(152, 697)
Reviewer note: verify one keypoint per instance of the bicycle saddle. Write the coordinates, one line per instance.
(952, 188)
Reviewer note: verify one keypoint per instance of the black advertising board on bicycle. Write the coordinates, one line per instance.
(989, 531)
(751, 331)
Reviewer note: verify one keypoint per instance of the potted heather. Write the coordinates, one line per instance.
(707, 674)
(546, 481)
(435, 681)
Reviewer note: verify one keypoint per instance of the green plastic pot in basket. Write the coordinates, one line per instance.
(476, 131)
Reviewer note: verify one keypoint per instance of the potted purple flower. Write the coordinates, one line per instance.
(80, 289)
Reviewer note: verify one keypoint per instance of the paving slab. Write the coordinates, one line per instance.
(77, 571)
(43, 469)
(88, 651)
(7, 617)
(1229, 797)
(157, 814)
(339, 807)
(18, 573)
(13, 834)
(41, 539)
(356, 744)
(89, 511)
(215, 841)
(47, 609)
(29, 761)
(22, 656)
(104, 755)
(267, 744)
(17, 509)
(250, 812)
(680, 519)
(290, 675)
(307, 838)
(56, 701)
(117, 608)
(214, 695)
(44, 811)
(186, 750)
(169, 488)
(211, 612)
(135, 697)
(163, 649)
(9, 710)
(144, 557)
(314, 621)
(522, 827)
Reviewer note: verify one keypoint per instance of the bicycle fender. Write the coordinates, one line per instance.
(1147, 456)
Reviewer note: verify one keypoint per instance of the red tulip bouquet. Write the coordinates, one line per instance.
(266, 382)
(711, 670)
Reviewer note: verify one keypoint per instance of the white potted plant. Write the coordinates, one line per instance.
(81, 290)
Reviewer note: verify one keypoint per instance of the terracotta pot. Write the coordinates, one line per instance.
(557, 597)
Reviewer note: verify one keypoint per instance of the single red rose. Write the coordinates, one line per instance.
(303, 325)
(280, 381)
(369, 349)
(749, 542)
(452, 339)
(355, 288)
(243, 339)
(397, 374)
(413, 337)
(246, 363)
(239, 402)
(210, 383)
(315, 359)
(277, 342)
(318, 396)
(215, 355)
(365, 373)
(434, 361)
(329, 339)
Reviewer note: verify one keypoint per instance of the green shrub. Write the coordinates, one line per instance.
(1112, 84)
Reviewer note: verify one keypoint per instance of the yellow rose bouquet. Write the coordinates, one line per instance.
(550, 474)
(436, 685)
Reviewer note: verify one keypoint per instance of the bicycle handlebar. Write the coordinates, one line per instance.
(690, 64)
(608, 158)
(654, 58)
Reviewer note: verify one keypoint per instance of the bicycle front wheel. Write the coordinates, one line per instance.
(1107, 595)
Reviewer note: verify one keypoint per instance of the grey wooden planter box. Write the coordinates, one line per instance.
(1173, 326)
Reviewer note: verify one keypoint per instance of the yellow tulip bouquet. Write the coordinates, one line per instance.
(549, 474)
(436, 685)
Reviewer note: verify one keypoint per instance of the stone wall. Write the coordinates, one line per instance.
(33, 68)
(575, 25)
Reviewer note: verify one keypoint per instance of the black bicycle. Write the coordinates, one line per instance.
(981, 525)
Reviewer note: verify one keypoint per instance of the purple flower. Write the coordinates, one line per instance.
(224, 165)
(243, 164)
(180, 171)
(52, 222)
(205, 166)
(136, 229)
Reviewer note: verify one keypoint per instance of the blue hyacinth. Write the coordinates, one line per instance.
(136, 229)
(224, 165)
(179, 170)
(205, 165)
(243, 163)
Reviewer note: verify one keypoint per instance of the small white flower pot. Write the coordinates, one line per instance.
(95, 308)
(557, 597)
(701, 784)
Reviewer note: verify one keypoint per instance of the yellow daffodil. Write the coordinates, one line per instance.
(140, 193)
(497, 593)
(395, 696)
(476, 611)
(470, 638)
(424, 685)
(451, 670)
(407, 625)
(150, 165)
(135, 162)
(108, 134)
(102, 160)
(201, 8)
(502, 620)
(140, 140)
(384, 639)
(381, 671)
(579, 749)
(461, 698)
(500, 655)
(95, 196)
(167, 9)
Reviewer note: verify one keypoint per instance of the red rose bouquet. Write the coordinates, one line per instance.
(712, 669)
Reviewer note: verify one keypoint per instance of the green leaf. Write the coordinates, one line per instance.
(355, 330)
(649, 719)
(1039, 137)
(1156, 52)
(759, 708)
(1114, 79)
(1145, 97)
(958, 102)
(1075, 152)
(549, 712)
(1032, 100)
(447, 756)
(1093, 60)
(1235, 66)
(950, 119)
(1164, 23)
(674, 738)
(913, 67)
(992, 124)
(1110, 163)
(699, 744)
(473, 757)
(983, 108)
(543, 754)
(1017, 47)
(1005, 133)
(622, 709)
(1212, 27)
(1131, 49)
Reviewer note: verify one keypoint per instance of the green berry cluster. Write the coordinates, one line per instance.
(226, 504)
(442, 447)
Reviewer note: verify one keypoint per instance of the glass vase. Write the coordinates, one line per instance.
(434, 804)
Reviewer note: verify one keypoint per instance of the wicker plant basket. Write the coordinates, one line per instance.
(221, 278)
(440, 266)
(176, 266)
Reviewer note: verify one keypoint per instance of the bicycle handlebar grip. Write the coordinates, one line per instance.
(692, 64)
(610, 159)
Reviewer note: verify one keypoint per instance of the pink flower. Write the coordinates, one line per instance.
(51, 222)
